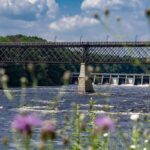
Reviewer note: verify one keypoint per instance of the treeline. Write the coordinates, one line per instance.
(21, 38)
(53, 74)
(45, 74)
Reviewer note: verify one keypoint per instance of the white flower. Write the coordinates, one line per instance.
(133, 147)
(82, 116)
(134, 117)
(105, 134)
(144, 148)
(146, 141)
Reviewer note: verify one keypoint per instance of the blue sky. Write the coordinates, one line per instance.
(68, 20)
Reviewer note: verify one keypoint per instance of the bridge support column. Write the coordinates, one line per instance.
(102, 79)
(94, 79)
(142, 78)
(84, 82)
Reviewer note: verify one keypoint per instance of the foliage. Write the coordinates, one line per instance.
(21, 38)
(80, 131)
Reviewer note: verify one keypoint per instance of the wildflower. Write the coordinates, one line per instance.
(65, 139)
(30, 67)
(132, 147)
(90, 69)
(23, 80)
(105, 134)
(134, 117)
(96, 16)
(4, 79)
(90, 148)
(66, 75)
(146, 141)
(2, 71)
(24, 123)
(82, 123)
(82, 117)
(97, 69)
(48, 130)
(42, 146)
(147, 12)
(106, 12)
(104, 124)
(5, 141)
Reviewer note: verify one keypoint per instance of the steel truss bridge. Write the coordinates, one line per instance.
(75, 53)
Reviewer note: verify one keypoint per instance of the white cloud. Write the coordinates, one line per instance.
(100, 4)
(27, 9)
(70, 23)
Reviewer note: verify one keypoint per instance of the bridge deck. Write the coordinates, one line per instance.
(81, 44)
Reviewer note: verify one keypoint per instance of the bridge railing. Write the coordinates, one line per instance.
(100, 44)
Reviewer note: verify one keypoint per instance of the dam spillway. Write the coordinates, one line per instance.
(115, 78)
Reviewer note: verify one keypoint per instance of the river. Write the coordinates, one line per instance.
(135, 99)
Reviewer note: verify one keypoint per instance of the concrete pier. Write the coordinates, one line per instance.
(84, 82)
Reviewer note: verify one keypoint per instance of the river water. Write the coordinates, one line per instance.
(133, 99)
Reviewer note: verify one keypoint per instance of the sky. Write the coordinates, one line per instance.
(72, 20)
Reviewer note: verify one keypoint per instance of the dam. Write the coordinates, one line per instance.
(115, 78)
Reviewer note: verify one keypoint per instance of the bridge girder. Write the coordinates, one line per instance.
(75, 53)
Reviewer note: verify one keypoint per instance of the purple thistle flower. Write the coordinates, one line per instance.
(104, 124)
(24, 123)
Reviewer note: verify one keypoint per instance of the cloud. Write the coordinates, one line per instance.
(27, 9)
(100, 4)
(70, 23)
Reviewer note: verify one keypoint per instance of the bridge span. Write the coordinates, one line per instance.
(76, 53)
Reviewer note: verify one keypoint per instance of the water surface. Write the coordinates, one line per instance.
(133, 99)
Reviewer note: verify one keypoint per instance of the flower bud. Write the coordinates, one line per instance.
(4, 78)
(65, 140)
(147, 12)
(23, 80)
(106, 12)
(48, 130)
(30, 67)
(5, 141)
(2, 71)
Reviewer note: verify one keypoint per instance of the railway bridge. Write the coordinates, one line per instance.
(76, 53)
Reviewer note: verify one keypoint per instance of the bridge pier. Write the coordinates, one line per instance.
(84, 82)
(94, 79)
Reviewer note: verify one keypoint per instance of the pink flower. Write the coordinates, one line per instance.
(24, 123)
(104, 124)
